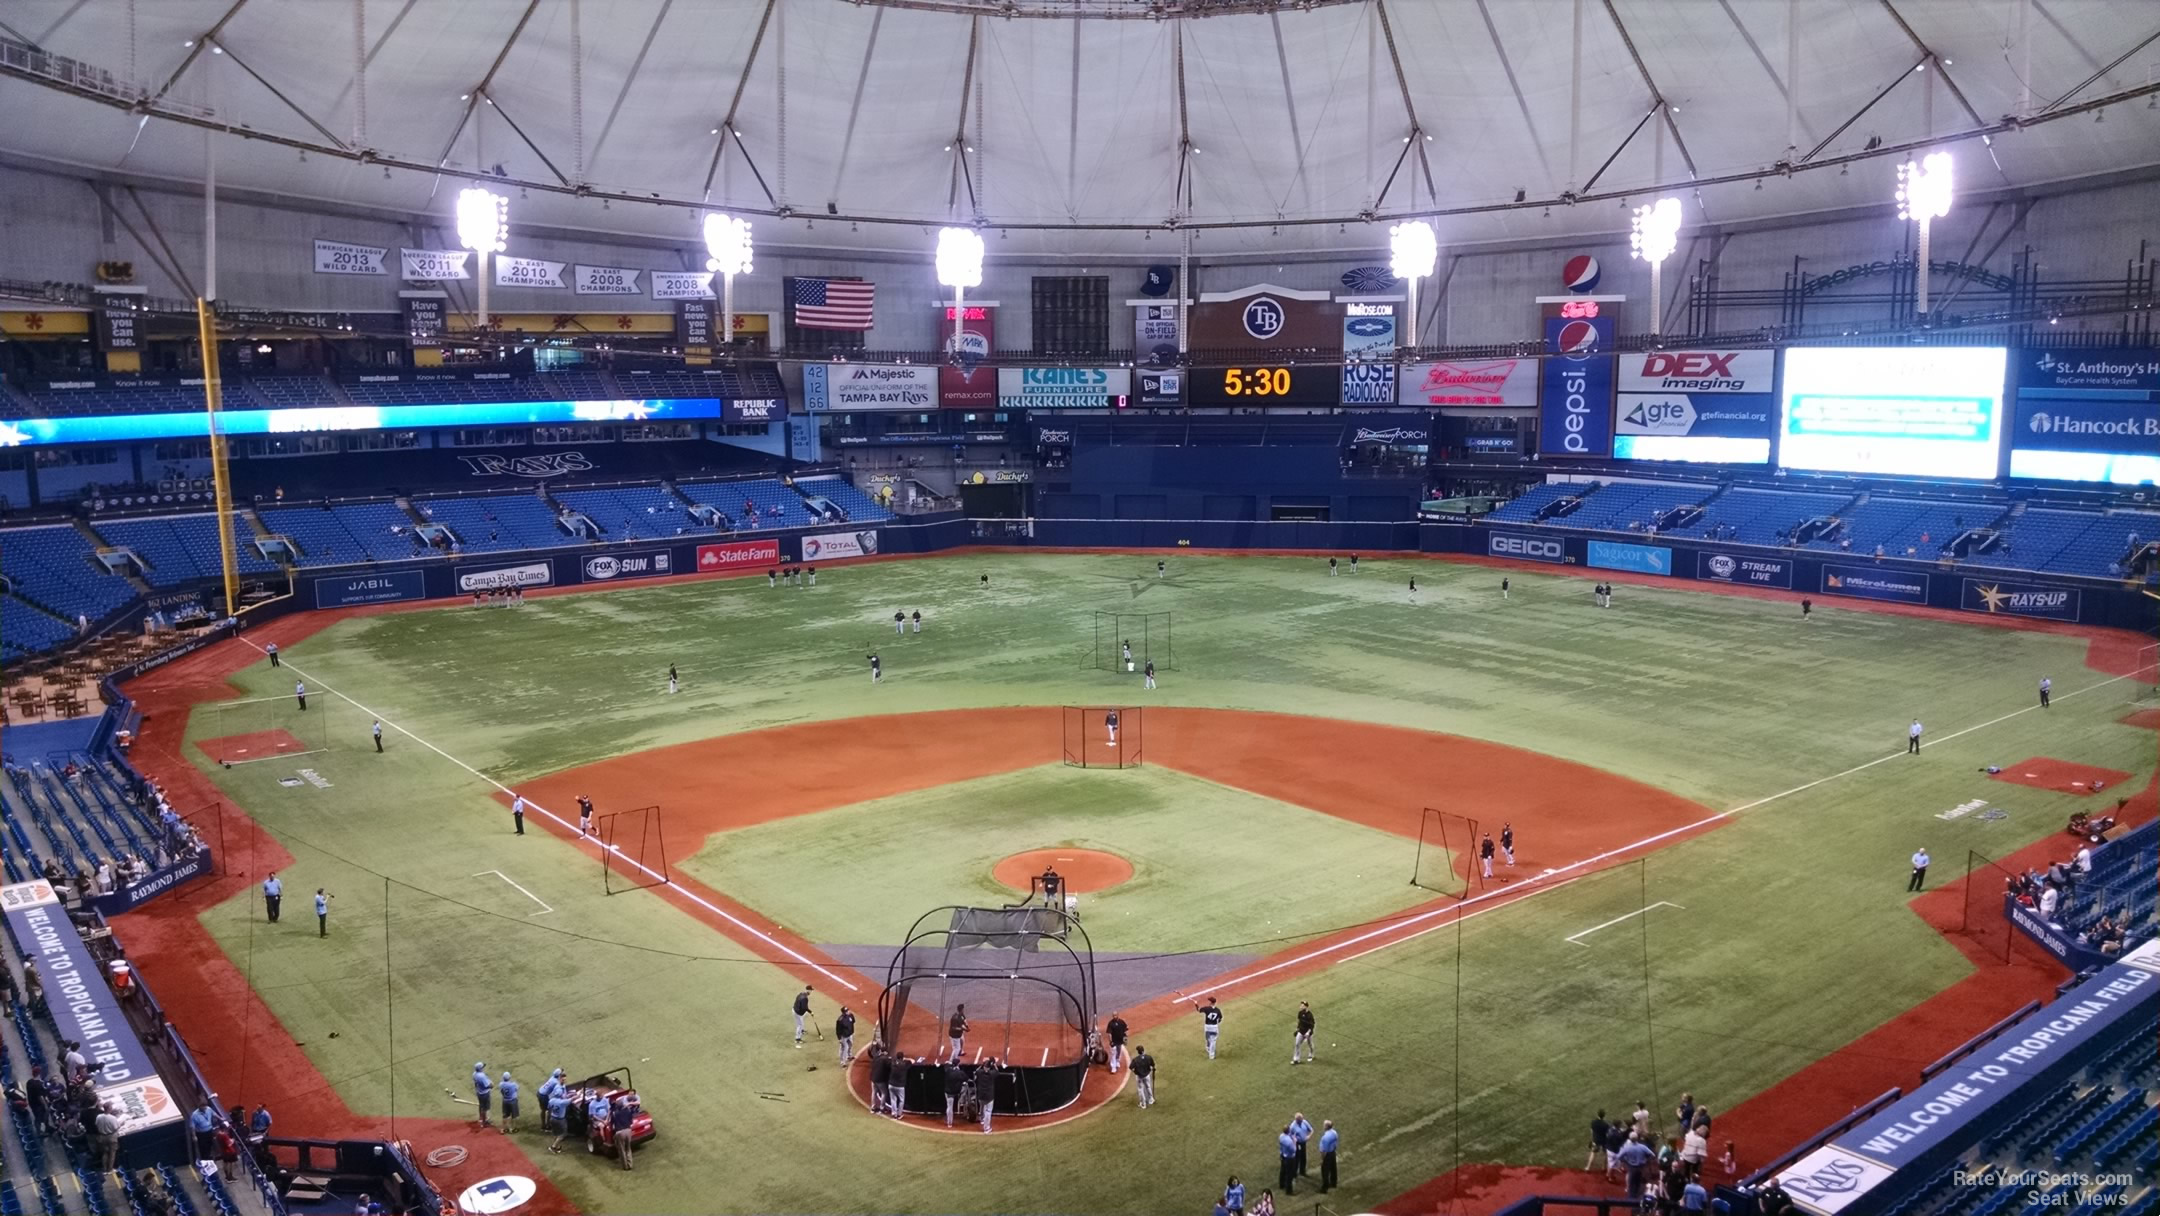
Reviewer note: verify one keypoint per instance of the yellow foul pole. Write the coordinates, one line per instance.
(220, 475)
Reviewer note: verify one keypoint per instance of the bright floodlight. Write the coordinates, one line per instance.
(483, 220)
(1923, 191)
(959, 257)
(727, 239)
(1657, 230)
(1415, 249)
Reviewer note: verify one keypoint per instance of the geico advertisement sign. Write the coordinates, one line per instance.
(1531, 548)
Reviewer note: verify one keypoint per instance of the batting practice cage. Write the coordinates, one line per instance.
(1146, 634)
(2145, 677)
(265, 728)
(1446, 860)
(1104, 736)
(633, 851)
(1024, 978)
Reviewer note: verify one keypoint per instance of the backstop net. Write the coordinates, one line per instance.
(267, 728)
(1104, 736)
(1023, 977)
(1446, 859)
(1985, 921)
(1126, 642)
(633, 850)
(2145, 677)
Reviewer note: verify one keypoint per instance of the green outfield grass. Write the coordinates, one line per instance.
(1210, 864)
(1723, 699)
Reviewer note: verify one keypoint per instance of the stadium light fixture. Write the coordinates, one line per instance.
(1923, 196)
(1656, 234)
(727, 244)
(483, 226)
(1414, 251)
(959, 266)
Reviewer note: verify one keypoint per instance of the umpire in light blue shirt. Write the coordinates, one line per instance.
(1286, 1172)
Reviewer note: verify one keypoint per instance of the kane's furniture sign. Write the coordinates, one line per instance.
(503, 578)
(346, 591)
(832, 546)
(719, 559)
(1739, 568)
(1062, 388)
(1528, 548)
(607, 566)
(1863, 583)
(1995, 596)
(841, 388)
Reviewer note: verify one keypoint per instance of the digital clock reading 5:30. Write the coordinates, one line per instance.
(1256, 382)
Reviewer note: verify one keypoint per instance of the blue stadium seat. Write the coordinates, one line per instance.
(494, 523)
(775, 505)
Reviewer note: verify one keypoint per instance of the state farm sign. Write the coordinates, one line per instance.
(718, 559)
(1698, 371)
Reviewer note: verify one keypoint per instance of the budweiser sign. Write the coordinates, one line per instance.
(1507, 383)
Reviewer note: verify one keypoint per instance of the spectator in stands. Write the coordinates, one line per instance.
(1615, 1139)
(1695, 1147)
(106, 1138)
(200, 1123)
(259, 1126)
(1635, 1157)
(77, 1066)
(1693, 1197)
(2050, 899)
(1600, 1130)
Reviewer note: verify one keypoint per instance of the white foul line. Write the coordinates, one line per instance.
(1617, 919)
(531, 806)
(544, 909)
(1706, 821)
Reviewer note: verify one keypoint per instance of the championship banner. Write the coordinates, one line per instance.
(1368, 330)
(1368, 383)
(840, 388)
(425, 317)
(969, 383)
(682, 285)
(1995, 596)
(607, 281)
(433, 265)
(337, 257)
(741, 555)
(1062, 388)
(1155, 333)
(1481, 383)
(832, 546)
(528, 272)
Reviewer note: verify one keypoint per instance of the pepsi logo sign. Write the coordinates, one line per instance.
(1264, 318)
(1582, 273)
(1577, 338)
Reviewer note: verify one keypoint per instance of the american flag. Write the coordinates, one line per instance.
(833, 303)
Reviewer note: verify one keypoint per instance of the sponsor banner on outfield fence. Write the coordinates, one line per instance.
(1829, 1179)
(157, 882)
(499, 578)
(740, 555)
(1529, 548)
(831, 546)
(1994, 595)
(1639, 559)
(607, 566)
(347, 590)
(83, 1006)
(1062, 388)
(1940, 1110)
(1738, 568)
(1860, 582)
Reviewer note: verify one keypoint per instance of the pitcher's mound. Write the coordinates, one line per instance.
(1083, 870)
(255, 745)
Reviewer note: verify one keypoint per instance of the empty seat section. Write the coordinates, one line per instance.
(1760, 517)
(1523, 508)
(772, 504)
(1897, 524)
(496, 521)
(1626, 507)
(860, 507)
(56, 566)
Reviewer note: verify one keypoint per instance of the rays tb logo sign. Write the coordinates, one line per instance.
(1264, 318)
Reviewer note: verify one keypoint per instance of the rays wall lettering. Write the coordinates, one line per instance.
(551, 464)
(1980, 275)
